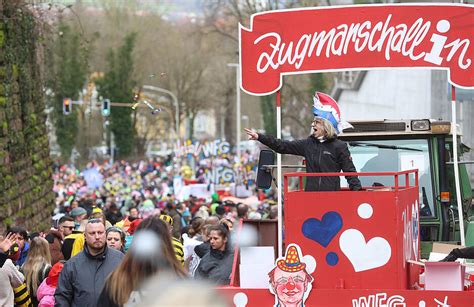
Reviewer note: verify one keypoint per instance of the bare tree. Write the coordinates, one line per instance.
(222, 19)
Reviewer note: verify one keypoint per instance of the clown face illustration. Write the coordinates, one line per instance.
(289, 280)
(290, 287)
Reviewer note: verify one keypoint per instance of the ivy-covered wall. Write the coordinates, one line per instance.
(26, 196)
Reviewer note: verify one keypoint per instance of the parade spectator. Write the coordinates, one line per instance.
(212, 220)
(45, 293)
(191, 239)
(220, 212)
(66, 225)
(20, 248)
(178, 221)
(273, 215)
(68, 242)
(113, 214)
(79, 242)
(5, 246)
(78, 214)
(216, 265)
(37, 266)
(84, 275)
(202, 212)
(196, 228)
(151, 253)
(132, 214)
(10, 276)
(205, 247)
(116, 238)
(177, 245)
(242, 211)
(322, 150)
(55, 239)
(228, 223)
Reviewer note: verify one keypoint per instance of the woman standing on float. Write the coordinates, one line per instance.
(322, 150)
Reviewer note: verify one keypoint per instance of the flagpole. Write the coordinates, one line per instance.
(456, 167)
(279, 187)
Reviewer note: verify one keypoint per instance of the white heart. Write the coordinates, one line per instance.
(310, 263)
(364, 256)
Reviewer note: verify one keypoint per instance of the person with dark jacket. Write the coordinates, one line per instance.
(177, 214)
(202, 249)
(84, 275)
(113, 214)
(466, 253)
(216, 265)
(55, 240)
(323, 152)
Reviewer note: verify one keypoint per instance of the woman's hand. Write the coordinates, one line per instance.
(7, 242)
(251, 134)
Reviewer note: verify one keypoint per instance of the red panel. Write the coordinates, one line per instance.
(359, 298)
(386, 223)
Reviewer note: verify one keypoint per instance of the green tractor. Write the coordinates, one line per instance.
(426, 145)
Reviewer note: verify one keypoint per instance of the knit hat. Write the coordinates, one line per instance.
(168, 219)
(78, 211)
(96, 210)
(54, 274)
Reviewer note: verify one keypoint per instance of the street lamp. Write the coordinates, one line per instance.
(175, 102)
(237, 90)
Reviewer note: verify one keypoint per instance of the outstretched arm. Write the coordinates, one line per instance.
(284, 147)
(251, 134)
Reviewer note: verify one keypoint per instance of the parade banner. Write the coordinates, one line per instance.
(356, 38)
(206, 149)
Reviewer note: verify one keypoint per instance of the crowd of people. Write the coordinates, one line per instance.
(117, 229)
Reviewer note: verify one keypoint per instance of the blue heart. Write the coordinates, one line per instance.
(322, 231)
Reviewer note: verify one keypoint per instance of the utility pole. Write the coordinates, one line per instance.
(237, 115)
(112, 148)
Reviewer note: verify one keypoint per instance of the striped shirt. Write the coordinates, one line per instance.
(178, 250)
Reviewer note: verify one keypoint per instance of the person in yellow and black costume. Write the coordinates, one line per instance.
(177, 245)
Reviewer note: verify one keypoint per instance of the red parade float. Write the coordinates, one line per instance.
(352, 248)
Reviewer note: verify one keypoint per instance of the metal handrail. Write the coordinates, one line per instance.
(395, 174)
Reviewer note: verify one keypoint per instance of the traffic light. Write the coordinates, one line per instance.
(106, 107)
(136, 96)
(67, 106)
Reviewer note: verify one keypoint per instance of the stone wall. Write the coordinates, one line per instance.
(26, 196)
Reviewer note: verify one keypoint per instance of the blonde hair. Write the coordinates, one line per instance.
(329, 130)
(134, 270)
(37, 262)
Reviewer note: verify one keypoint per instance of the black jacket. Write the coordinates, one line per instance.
(330, 156)
(202, 249)
(216, 266)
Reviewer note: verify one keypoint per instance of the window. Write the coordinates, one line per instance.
(405, 155)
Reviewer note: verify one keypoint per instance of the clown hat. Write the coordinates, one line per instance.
(325, 107)
(292, 262)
